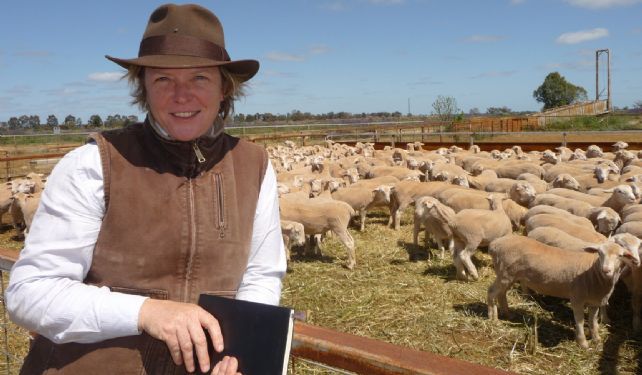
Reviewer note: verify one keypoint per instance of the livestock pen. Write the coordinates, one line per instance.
(401, 294)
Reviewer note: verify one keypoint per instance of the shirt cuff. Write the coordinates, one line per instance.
(120, 317)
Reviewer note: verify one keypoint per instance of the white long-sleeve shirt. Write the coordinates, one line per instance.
(46, 293)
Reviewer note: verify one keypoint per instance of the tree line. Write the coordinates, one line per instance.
(554, 92)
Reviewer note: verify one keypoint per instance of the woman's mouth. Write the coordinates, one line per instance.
(185, 114)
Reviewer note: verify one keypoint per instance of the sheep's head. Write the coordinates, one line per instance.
(565, 180)
(611, 255)
(594, 151)
(522, 192)
(607, 220)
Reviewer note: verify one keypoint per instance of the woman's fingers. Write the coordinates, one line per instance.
(180, 326)
(227, 366)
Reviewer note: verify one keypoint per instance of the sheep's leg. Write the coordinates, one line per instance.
(451, 246)
(286, 243)
(604, 316)
(460, 270)
(578, 314)
(594, 327)
(415, 231)
(497, 294)
(393, 206)
(362, 214)
(346, 238)
(466, 255)
(440, 246)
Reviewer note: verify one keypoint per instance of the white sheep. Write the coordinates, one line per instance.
(582, 277)
(473, 228)
(293, 235)
(431, 214)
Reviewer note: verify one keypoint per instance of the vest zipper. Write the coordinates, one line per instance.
(220, 197)
(192, 247)
(199, 154)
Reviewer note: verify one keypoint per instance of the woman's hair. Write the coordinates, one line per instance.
(233, 88)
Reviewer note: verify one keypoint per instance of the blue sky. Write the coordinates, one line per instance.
(335, 55)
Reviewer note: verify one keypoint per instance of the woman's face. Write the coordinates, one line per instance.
(184, 101)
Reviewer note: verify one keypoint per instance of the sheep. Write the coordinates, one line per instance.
(603, 218)
(473, 228)
(398, 172)
(586, 233)
(293, 235)
(514, 169)
(406, 192)
(6, 199)
(544, 209)
(556, 237)
(633, 282)
(579, 276)
(320, 216)
(537, 183)
(430, 213)
(364, 199)
(23, 208)
(590, 199)
(522, 192)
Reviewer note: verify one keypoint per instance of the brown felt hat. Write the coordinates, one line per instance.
(186, 36)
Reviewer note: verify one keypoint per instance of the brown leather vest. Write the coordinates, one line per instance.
(173, 228)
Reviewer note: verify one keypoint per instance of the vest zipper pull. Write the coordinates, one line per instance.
(199, 154)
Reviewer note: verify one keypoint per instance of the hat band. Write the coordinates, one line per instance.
(182, 45)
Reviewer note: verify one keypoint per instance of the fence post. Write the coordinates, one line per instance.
(564, 139)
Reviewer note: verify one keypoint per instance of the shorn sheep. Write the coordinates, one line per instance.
(477, 227)
(582, 277)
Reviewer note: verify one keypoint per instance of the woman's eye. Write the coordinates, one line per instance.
(161, 79)
(200, 78)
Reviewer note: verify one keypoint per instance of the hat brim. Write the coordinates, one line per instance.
(245, 69)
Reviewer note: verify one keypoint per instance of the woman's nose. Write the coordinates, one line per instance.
(182, 92)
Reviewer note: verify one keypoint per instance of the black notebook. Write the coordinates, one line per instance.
(258, 335)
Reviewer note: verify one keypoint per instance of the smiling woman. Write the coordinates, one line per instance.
(135, 225)
(184, 102)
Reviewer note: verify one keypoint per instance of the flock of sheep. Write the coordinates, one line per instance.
(562, 223)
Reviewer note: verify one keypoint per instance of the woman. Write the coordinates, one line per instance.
(133, 226)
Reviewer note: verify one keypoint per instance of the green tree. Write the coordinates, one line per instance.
(498, 111)
(95, 120)
(445, 107)
(52, 120)
(556, 92)
(70, 120)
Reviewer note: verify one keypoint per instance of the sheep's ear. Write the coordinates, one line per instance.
(593, 248)
(602, 214)
(608, 190)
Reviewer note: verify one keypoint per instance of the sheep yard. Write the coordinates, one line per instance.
(404, 294)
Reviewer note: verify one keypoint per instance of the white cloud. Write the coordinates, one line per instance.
(582, 36)
(601, 4)
(484, 38)
(280, 56)
(319, 49)
(105, 76)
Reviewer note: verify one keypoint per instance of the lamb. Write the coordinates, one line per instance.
(556, 237)
(585, 233)
(362, 200)
(581, 277)
(537, 183)
(293, 235)
(406, 192)
(320, 216)
(473, 228)
(430, 213)
(603, 218)
(516, 168)
(544, 209)
(23, 208)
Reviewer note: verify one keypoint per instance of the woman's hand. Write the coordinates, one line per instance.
(227, 366)
(180, 326)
